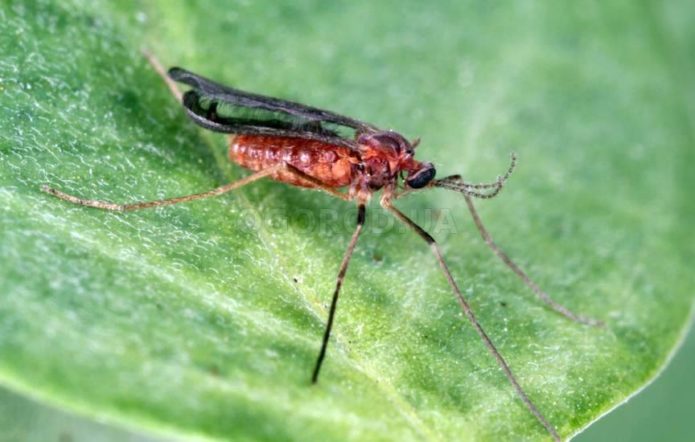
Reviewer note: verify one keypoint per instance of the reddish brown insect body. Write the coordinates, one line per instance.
(380, 159)
(333, 165)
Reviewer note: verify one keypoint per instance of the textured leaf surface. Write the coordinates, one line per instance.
(204, 319)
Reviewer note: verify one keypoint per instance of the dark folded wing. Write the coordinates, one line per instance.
(225, 109)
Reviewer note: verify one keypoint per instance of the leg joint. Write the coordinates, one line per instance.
(361, 215)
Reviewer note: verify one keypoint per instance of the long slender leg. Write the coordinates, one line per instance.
(471, 317)
(544, 297)
(318, 183)
(361, 212)
(105, 205)
(159, 69)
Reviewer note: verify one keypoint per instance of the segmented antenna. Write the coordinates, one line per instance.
(456, 182)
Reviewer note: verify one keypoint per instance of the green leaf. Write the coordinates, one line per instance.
(204, 319)
(23, 419)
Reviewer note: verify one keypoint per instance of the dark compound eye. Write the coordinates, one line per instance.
(422, 177)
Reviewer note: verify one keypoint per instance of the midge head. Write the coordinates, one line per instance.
(400, 153)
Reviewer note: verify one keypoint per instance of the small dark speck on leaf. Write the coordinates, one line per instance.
(436, 215)
(126, 98)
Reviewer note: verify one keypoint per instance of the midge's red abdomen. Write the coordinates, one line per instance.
(333, 165)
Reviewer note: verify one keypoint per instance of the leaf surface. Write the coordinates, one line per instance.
(204, 319)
